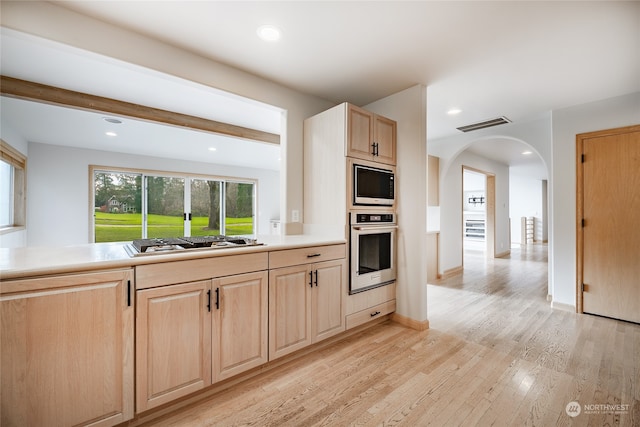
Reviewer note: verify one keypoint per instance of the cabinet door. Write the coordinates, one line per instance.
(289, 310)
(240, 335)
(360, 130)
(173, 344)
(384, 136)
(67, 350)
(327, 303)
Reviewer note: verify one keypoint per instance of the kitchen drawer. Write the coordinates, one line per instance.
(372, 297)
(290, 257)
(372, 313)
(169, 273)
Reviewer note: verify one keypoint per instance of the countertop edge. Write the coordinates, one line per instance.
(94, 257)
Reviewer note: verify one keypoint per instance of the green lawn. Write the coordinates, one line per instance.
(116, 227)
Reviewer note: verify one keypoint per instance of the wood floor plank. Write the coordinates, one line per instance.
(496, 354)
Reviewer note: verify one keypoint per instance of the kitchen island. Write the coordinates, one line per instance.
(94, 336)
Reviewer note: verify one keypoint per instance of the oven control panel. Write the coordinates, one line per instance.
(373, 218)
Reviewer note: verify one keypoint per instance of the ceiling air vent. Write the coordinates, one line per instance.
(485, 124)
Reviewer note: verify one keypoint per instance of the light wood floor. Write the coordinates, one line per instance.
(496, 354)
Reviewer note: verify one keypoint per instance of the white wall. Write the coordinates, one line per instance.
(408, 108)
(14, 238)
(526, 199)
(451, 207)
(58, 193)
(567, 123)
(59, 24)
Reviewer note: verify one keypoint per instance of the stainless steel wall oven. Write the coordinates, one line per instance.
(373, 250)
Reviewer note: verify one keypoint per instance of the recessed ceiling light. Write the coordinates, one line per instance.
(454, 111)
(526, 153)
(111, 133)
(112, 120)
(212, 148)
(269, 33)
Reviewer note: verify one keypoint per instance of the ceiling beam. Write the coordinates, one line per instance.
(23, 89)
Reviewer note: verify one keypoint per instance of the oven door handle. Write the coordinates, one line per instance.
(374, 227)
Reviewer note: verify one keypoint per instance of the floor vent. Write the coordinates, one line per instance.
(485, 124)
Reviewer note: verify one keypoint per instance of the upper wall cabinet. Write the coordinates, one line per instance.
(370, 136)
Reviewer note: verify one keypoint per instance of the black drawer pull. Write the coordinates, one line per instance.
(313, 255)
(375, 314)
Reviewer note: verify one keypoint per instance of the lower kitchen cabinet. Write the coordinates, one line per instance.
(192, 335)
(306, 305)
(173, 342)
(240, 323)
(66, 349)
(370, 305)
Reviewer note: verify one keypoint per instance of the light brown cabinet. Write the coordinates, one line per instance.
(194, 334)
(306, 301)
(67, 349)
(240, 339)
(173, 344)
(370, 305)
(370, 136)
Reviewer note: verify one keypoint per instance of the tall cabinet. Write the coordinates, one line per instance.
(333, 141)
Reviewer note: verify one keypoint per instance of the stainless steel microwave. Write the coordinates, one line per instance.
(373, 186)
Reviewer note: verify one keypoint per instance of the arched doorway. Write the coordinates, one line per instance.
(497, 157)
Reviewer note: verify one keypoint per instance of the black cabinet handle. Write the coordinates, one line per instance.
(209, 300)
(375, 314)
(128, 293)
(218, 298)
(311, 279)
(316, 282)
(313, 255)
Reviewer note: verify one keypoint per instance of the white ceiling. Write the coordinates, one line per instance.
(513, 58)
(23, 57)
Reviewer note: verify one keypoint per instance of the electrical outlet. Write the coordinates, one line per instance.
(295, 215)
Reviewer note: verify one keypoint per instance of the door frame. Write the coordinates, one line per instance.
(490, 213)
(580, 139)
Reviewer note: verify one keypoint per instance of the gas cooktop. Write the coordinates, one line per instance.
(173, 244)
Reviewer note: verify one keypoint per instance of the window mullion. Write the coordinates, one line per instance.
(187, 206)
(145, 204)
(223, 208)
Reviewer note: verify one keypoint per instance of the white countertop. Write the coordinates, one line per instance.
(38, 261)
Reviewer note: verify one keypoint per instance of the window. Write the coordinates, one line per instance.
(117, 206)
(12, 188)
(131, 205)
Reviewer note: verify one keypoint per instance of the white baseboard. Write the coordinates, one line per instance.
(564, 307)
